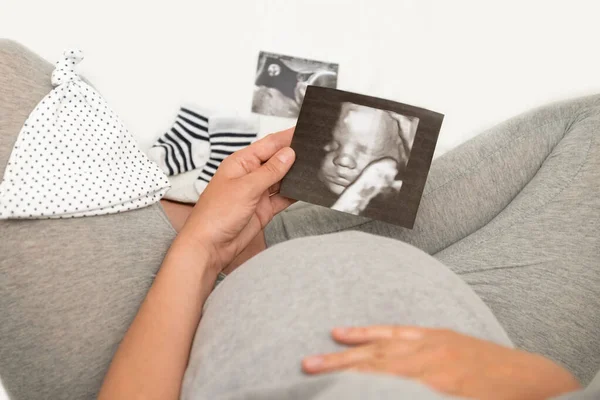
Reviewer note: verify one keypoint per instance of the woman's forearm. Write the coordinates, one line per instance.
(151, 359)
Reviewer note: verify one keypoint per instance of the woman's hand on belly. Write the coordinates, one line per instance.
(446, 361)
(240, 200)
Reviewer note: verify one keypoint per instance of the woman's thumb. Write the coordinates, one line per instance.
(272, 171)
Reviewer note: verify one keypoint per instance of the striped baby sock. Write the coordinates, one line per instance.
(227, 134)
(185, 146)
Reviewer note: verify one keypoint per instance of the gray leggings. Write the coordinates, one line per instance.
(515, 213)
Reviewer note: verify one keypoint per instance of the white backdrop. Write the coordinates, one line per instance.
(476, 61)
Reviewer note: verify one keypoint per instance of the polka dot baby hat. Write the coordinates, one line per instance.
(74, 157)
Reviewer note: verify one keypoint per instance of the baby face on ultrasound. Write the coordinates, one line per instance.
(361, 136)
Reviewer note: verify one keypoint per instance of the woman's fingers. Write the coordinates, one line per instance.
(411, 366)
(271, 171)
(360, 335)
(249, 232)
(397, 356)
(273, 190)
(247, 160)
(280, 203)
(382, 345)
(266, 147)
(370, 353)
(334, 361)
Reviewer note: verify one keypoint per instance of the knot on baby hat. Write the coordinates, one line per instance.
(75, 158)
(65, 67)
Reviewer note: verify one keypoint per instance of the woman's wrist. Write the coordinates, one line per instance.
(201, 256)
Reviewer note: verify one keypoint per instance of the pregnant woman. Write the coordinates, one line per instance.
(494, 294)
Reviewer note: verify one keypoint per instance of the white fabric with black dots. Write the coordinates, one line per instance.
(74, 158)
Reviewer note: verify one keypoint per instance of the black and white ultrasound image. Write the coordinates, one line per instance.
(281, 83)
(362, 155)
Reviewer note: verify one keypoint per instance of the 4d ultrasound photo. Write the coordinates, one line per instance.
(281, 83)
(362, 155)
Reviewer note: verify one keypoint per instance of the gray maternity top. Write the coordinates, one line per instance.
(280, 306)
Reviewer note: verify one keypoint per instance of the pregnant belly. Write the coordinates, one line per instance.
(281, 305)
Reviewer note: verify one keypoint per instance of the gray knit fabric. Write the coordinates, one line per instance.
(264, 318)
